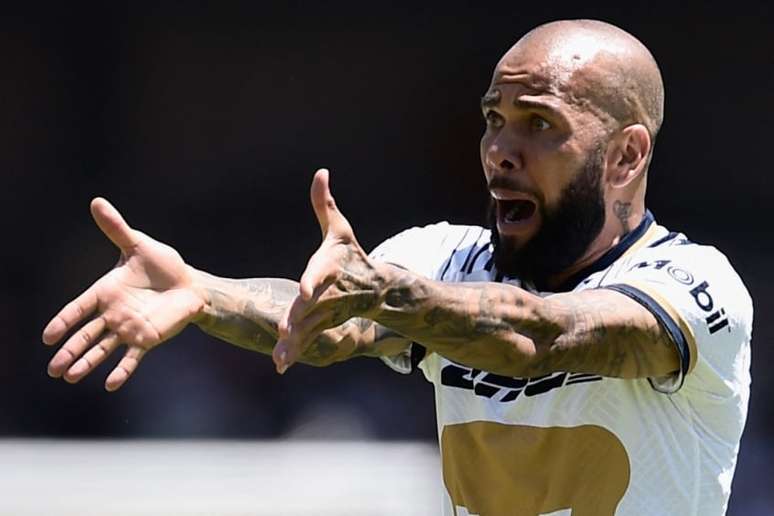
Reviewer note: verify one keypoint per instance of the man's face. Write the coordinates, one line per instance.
(543, 160)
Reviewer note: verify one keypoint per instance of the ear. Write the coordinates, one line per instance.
(627, 155)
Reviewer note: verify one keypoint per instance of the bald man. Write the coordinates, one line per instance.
(586, 360)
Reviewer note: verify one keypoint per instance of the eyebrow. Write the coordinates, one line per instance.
(491, 98)
(534, 104)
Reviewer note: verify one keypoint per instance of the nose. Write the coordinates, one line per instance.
(500, 158)
(506, 165)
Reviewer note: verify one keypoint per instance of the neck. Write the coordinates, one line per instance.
(620, 220)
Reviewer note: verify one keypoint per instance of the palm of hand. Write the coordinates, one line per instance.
(339, 282)
(146, 299)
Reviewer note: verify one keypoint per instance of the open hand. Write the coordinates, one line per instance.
(146, 299)
(340, 282)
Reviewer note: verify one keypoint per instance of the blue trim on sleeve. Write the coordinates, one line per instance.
(666, 321)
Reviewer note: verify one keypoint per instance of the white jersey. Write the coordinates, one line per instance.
(580, 444)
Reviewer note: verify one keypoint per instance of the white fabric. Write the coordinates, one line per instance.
(680, 435)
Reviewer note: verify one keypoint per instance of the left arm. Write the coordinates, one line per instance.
(490, 326)
(506, 330)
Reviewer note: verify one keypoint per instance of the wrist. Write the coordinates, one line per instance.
(201, 289)
(383, 277)
(395, 289)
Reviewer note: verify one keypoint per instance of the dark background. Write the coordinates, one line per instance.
(204, 123)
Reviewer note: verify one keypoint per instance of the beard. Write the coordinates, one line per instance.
(566, 231)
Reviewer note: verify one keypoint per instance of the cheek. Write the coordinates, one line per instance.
(486, 140)
(482, 147)
(553, 172)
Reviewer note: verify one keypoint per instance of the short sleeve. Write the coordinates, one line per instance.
(419, 249)
(702, 304)
(424, 251)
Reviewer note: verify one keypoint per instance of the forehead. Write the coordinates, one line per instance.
(551, 60)
(558, 73)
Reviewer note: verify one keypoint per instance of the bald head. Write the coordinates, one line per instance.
(595, 66)
(571, 116)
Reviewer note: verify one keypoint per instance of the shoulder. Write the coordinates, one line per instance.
(699, 269)
(699, 299)
(425, 249)
(438, 234)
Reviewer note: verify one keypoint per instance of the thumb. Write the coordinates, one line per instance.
(113, 224)
(328, 215)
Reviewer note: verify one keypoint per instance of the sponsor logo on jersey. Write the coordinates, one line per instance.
(716, 319)
(506, 389)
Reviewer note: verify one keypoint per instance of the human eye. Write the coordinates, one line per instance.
(493, 118)
(539, 124)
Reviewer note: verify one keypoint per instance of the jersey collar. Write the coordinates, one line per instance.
(607, 259)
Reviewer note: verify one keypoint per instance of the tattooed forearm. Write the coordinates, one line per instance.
(506, 330)
(609, 335)
(489, 326)
(247, 312)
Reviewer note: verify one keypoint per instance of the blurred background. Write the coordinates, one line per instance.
(204, 122)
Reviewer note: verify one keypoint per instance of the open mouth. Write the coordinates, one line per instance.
(514, 211)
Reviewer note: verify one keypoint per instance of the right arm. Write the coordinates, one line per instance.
(152, 294)
(247, 312)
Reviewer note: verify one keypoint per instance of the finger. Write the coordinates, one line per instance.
(320, 195)
(92, 358)
(303, 334)
(279, 353)
(125, 368)
(328, 215)
(75, 346)
(310, 291)
(80, 307)
(113, 224)
(290, 347)
(320, 273)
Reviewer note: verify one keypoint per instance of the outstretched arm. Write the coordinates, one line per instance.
(247, 312)
(507, 330)
(490, 326)
(152, 294)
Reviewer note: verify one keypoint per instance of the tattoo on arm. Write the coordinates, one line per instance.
(247, 312)
(610, 335)
(505, 330)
